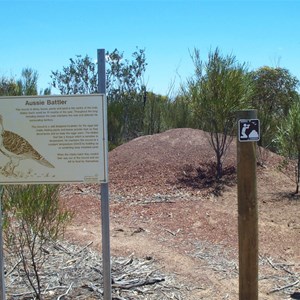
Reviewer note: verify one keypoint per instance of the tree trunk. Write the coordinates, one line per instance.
(298, 174)
(219, 167)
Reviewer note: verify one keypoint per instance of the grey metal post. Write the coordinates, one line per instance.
(104, 195)
(2, 280)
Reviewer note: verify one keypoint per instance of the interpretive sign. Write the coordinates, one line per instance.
(53, 139)
(248, 130)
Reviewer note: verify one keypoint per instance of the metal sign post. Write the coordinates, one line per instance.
(46, 125)
(248, 133)
(104, 196)
(2, 278)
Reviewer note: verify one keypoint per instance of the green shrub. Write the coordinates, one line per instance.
(32, 216)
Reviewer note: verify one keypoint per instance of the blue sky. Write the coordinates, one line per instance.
(44, 34)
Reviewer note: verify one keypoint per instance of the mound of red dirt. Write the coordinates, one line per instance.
(178, 159)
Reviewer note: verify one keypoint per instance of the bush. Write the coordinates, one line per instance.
(32, 216)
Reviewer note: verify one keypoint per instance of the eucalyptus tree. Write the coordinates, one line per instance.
(25, 85)
(28, 82)
(79, 77)
(156, 113)
(288, 138)
(219, 88)
(126, 92)
(9, 87)
(274, 91)
(179, 113)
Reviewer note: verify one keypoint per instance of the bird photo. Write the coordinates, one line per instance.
(17, 148)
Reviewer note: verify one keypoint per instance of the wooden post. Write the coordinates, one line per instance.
(247, 214)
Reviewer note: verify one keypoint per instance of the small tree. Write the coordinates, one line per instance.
(288, 139)
(80, 77)
(32, 217)
(274, 91)
(155, 113)
(126, 92)
(179, 112)
(126, 87)
(9, 87)
(220, 88)
(25, 85)
(28, 82)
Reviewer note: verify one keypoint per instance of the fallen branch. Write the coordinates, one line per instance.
(130, 285)
(66, 293)
(284, 287)
(90, 243)
(171, 232)
(271, 263)
(22, 294)
(13, 268)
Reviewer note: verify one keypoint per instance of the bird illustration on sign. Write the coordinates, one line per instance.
(17, 148)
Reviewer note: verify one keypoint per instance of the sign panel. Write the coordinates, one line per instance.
(53, 139)
(248, 130)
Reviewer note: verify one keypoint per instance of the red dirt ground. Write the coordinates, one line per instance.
(164, 204)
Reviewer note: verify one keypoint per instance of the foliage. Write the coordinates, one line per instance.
(126, 92)
(32, 216)
(125, 76)
(156, 109)
(274, 91)
(28, 82)
(9, 87)
(46, 91)
(219, 88)
(80, 77)
(288, 138)
(115, 124)
(25, 85)
(179, 113)
(125, 86)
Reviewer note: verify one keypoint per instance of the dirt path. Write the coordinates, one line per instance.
(194, 239)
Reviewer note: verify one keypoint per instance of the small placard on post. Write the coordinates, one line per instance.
(248, 130)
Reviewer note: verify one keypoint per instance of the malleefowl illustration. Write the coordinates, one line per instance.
(16, 148)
